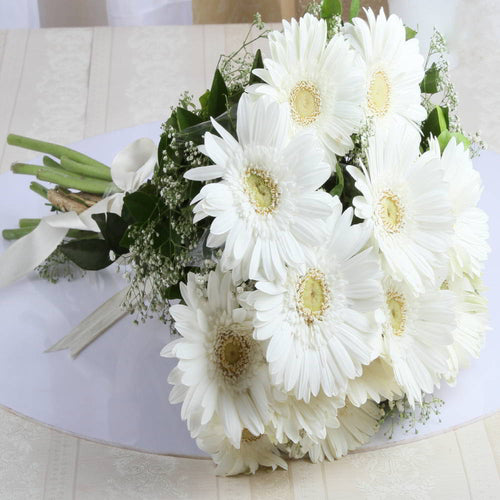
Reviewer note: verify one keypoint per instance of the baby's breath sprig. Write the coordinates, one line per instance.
(57, 266)
(237, 66)
(400, 412)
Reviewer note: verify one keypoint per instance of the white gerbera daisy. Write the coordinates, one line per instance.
(252, 452)
(221, 369)
(472, 323)
(321, 84)
(469, 247)
(376, 383)
(357, 426)
(267, 206)
(416, 334)
(292, 417)
(393, 69)
(405, 199)
(318, 320)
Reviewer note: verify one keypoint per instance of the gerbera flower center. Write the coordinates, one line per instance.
(248, 437)
(313, 295)
(379, 93)
(396, 305)
(305, 103)
(232, 351)
(262, 190)
(391, 212)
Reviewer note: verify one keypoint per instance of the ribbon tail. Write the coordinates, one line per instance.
(93, 326)
(25, 254)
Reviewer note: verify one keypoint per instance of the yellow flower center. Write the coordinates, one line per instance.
(313, 295)
(391, 212)
(396, 304)
(232, 352)
(262, 190)
(248, 437)
(379, 93)
(305, 103)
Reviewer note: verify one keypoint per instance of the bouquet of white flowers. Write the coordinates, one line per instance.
(316, 215)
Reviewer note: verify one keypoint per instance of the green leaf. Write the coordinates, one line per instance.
(354, 9)
(436, 122)
(204, 103)
(430, 83)
(161, 148)
(90, 254)
(330, 8)
(218, 94)
(257, 64)
(445, 137)
(186, 118)
(112, 227)
(140, 205)
(339, 187)
(173, 292)
(410, 33)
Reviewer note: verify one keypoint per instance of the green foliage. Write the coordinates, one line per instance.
(354, 9)
(216, 104)
(330, 8)
(410, 33)
(257, 64)
(112, 227)
(186, 118)
(436, 122)
(430, 83)
(140, 205)
(445, 137)
(89, 254)
(339, 187)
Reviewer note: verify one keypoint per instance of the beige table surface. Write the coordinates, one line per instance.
(68, 84)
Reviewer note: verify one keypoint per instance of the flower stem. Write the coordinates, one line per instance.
(54, 150)
(85, 169)
(68, 180)
(50, 162)
(29, 222)
(57, 175)
(19, 232)
(25, 168)
(39, 189)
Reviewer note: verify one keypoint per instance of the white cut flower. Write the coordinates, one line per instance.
(417, 333)
(469, 248)
(221, 369)
(253, 451)
(405, 199)
(292, 417)
(318, 321)
(357, 426)
(472, 323)
(267, 206)
(393, 68)
(376, 383)
(321, 83)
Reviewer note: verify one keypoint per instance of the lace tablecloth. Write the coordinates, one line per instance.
(68, 84)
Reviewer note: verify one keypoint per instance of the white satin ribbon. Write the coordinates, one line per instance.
(129, 170)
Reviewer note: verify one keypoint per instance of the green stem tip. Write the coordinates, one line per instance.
(53, 149)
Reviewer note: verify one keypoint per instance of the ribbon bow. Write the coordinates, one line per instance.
(129, 170)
